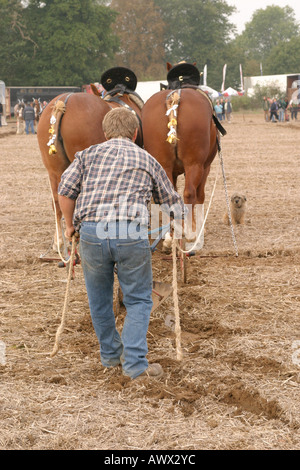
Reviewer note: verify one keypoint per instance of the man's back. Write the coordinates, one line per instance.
(115, 180)
(28, 113)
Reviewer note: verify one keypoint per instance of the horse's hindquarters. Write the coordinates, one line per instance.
(78, 125)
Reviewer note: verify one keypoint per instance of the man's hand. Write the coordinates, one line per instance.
(69, 232)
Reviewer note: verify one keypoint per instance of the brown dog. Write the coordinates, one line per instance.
(237, 209)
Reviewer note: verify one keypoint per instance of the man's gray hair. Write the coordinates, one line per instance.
(120, 122)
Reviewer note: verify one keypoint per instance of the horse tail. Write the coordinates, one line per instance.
(172, 103)
(58, 111)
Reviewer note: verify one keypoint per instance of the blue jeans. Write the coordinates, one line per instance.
(132, 258)
(281, 115)
(29, 124)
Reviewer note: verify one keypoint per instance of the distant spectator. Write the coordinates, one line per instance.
(294, 109)
(228, 109)
(43, 106)
(218, 109)
(266, 108)
(1, 111)
(281, 108)
(273, 111)
(29, 117)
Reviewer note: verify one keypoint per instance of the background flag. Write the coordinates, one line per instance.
(205, 75)
(224, 76)
(242, 80)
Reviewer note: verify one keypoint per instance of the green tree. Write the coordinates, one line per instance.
(140, 30)
(284, 58)
(198, 31)
(61, 42)
(14, 38)
(267, 29)
(75, 41)
(198, 28)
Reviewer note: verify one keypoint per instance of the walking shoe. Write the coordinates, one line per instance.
(153, 371)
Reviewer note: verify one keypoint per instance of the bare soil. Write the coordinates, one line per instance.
(237, 386)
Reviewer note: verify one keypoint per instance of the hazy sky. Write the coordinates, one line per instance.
(246, 8)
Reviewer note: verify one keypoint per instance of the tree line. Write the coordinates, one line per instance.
(72, 42)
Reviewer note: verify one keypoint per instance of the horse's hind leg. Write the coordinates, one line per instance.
(201, 187)
(195, 218)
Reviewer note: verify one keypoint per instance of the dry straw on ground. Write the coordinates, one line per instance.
(237, 386)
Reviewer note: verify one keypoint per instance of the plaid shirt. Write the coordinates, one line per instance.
(115, 180)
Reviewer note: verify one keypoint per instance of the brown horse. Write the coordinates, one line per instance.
(71, 123)
(180, 131)
(37, 106)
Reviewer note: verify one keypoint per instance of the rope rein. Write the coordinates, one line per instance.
(66, 301)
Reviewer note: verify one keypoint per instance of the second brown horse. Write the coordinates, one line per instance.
(180, 132)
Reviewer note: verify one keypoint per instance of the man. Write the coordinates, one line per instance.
(266, 108)
(1, 111)
(29, 117)
(104, 195)
(228, 109)
(281, 109)
(294, 108)
(219, 110)
(273, 111)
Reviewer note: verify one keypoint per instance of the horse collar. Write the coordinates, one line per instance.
(182, 74)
